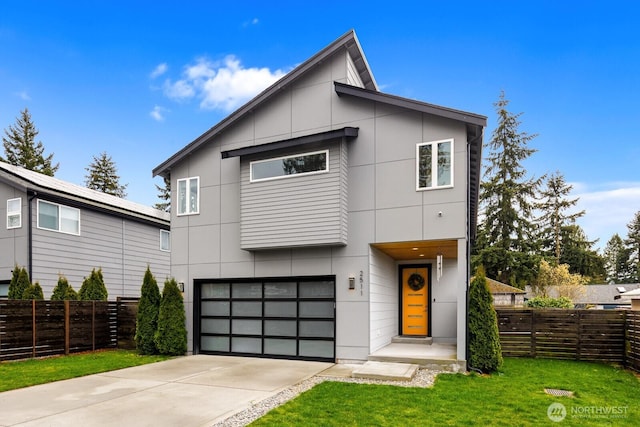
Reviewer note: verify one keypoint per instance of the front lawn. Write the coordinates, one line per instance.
(604, 395)
(25, 373)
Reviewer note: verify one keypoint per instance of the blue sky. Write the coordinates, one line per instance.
(141, 79)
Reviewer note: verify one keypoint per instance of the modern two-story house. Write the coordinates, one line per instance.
(54, 228)
(324, 217)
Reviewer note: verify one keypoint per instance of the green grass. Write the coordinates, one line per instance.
(25, 373)
(514, 396)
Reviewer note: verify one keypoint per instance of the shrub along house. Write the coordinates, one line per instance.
(324, 217)
(53, 227)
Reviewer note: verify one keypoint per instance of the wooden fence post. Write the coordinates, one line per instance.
(33, 327)
(93, 325)
(67, 326)
(533, 332)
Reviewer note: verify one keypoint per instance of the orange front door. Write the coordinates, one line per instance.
(415, 300)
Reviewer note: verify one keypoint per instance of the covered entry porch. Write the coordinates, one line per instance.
(394, 271)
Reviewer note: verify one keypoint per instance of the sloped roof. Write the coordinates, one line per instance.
(348, 41)
(25, 179)
(602, 294)
(496, 287)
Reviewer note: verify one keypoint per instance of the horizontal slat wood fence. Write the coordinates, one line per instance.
(610, 336)
(45, 328)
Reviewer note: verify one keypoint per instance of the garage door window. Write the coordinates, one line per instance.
(268, 317)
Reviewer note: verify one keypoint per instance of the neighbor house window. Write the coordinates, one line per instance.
(287, 166)
(188, 196)
(64, 219)
(434, 164)
(165, 240)
(14, 213)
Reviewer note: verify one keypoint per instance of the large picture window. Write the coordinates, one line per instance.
(287, 166)
(188, 196)
(434, 165)
(64, 219)
(14, 213)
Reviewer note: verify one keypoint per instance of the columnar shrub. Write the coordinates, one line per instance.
(19, 282)
(33, 291)
(484, 339)
(171, 336)
(93, 288)
(147, 318)
(63, 291)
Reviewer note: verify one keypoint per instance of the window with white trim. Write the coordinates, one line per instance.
(14, 213)
(55, 217)
(434, 165)
(189, 196)
(165, 240)
(289, 166)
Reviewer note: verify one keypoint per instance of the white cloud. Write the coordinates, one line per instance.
(157, 113)
(254, 21)
(221, 85)
(159, 70)
(24, 95)
(609, 208)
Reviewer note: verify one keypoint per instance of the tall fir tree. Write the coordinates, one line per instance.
(507, 245)
(103, 176)
(618, 261)
(633, 245)
(21, 149)
(164, 194)
(578, 253)
(555, 205)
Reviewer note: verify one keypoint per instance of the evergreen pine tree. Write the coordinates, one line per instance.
(147, 318)
(93, 287)
(103, 176)
(33, 291)
(554, 207)
(506, 245)
(164, 193)
(20, 147)
(633, 245)
(618, 261)
(19, 283)
(63, 291)
(485, 352)
(171, 336)
(578, 253)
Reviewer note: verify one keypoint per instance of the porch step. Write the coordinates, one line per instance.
(441, 357)
(385, 371)
(407, 339)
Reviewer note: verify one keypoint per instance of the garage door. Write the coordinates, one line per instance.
(291, 318)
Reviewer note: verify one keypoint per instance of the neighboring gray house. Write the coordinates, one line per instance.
(324, 217)
(53, 227)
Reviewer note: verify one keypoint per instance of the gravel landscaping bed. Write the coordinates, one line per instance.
(422, 378)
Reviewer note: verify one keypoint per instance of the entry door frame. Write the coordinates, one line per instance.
(401, 267)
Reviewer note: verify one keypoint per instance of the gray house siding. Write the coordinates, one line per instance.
(308, 210)
(379, 204)
(13, 242)
(121, 247)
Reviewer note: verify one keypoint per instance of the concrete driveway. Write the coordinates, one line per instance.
(188, 391)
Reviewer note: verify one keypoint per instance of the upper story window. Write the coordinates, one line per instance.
(434, 165)
(55, 217)
(165, 240)
(288, 166)
(188, 196)
(14, 213)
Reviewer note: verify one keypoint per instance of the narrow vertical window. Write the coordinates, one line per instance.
(188, 196)
(434, 165)
(14, 213)
(165, 240)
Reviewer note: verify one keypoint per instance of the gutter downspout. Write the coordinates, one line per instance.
(30, 231)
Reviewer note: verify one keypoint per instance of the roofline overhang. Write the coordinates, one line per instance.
(346, 132)
(348, 41)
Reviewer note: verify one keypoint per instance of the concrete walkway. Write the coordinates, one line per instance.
(188, 391)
